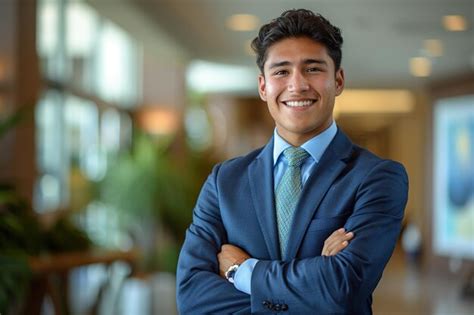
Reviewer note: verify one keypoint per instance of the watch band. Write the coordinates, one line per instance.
(230, 273)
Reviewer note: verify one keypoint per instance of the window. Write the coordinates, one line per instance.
(90, 69)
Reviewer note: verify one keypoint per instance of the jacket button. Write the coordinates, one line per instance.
(277, 307)
(268, 304)
(284, 307)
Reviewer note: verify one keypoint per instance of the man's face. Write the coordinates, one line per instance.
(300, 85)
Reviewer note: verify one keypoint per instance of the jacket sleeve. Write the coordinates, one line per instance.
(200, 289)
(335, 284)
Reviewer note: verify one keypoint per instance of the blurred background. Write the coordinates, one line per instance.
(112, 113)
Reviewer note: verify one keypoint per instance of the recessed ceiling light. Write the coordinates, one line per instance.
(242, 22)
(454, 23)
(420, 66)
(434, 47)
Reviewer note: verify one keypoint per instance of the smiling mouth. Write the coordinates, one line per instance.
(302, 103)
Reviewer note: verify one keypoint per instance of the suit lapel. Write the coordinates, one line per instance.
(326, 171)
(261, 187)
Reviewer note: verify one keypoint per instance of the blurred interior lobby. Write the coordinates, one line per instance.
(113, 112)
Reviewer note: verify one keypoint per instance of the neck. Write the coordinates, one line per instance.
(298, 140)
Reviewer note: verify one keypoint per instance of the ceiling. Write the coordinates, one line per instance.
(380, 36)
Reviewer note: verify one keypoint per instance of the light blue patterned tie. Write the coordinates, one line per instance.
(288, 192)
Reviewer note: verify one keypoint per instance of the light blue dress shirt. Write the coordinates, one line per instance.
(315, 147)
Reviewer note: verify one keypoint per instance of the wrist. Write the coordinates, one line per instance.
(243, 276)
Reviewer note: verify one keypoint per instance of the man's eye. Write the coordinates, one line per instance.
(313, 70)
(281, 72)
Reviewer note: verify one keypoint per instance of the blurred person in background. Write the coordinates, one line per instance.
(270, 229)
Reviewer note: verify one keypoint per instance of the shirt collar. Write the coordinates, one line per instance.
(314, 146)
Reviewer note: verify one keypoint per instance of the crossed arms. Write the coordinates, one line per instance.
(230, 254)
(333, 282)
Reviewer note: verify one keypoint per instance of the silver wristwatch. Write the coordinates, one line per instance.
(230, 273)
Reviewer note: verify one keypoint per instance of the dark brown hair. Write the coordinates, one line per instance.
(298, 23)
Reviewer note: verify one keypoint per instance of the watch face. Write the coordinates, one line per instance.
(229, 274)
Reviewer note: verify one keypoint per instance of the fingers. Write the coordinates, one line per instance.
(229, 255)
(225, 258)
(336, 242)
(223, 264)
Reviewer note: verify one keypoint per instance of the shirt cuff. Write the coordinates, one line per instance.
(243, 275)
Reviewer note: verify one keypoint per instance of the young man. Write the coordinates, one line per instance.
(269, 228)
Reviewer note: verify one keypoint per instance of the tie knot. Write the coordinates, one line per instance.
(295, 156)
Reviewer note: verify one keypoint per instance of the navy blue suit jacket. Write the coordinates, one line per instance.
(349, 187)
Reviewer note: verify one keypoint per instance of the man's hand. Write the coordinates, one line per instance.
(230, 255)
(336, 242)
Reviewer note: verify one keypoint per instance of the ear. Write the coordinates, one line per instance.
(339, 81)
(262, 87)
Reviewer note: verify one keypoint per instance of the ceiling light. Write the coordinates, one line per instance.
(434, 47)
(420, 66)
(242, 22)
(454, 23)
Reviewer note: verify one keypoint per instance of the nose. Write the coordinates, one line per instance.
(298, 82)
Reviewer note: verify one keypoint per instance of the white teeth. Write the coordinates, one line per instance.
(299, 103)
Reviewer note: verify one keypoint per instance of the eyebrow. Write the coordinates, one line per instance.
(306, 62)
